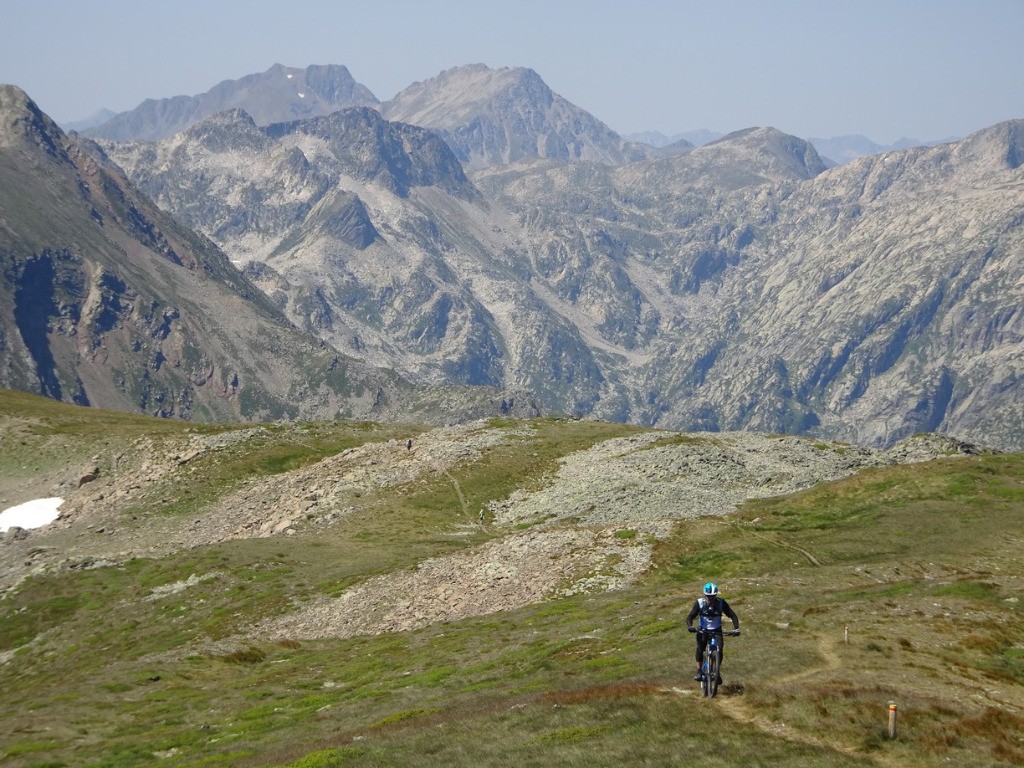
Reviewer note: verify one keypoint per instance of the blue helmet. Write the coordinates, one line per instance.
(710, 589)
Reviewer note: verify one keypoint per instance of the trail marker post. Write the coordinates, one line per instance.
(892, 719)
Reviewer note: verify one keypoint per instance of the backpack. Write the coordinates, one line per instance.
(707, 608)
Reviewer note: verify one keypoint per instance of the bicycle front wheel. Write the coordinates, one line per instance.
(712, 676)
(706, 675)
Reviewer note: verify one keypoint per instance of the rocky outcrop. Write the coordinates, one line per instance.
(362, 145)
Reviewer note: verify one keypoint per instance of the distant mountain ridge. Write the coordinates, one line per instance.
(99, 117)
(488, 116)
(277, 95)
(834, 151)
(843, 149)
(657, 139)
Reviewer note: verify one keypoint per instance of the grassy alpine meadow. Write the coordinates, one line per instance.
(898, 584)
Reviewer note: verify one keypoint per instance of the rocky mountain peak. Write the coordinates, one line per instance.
(231, 130)
(500, 116)
(1001, 145)
(778, 155)
(332, 83)
(457, 94)
(749, 158)
(21, 120)
(396, 155)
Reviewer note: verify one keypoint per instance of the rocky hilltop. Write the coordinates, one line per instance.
(555, 536)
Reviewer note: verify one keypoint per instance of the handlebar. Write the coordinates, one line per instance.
(730, 633)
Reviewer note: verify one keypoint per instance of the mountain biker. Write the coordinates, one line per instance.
(710, 607)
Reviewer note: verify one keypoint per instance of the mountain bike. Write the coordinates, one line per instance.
(711, 665)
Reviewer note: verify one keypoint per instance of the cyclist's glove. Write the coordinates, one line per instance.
(691, 629)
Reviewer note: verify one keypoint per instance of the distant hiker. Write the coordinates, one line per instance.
(408, 445)
(710, 608)
(481, 517)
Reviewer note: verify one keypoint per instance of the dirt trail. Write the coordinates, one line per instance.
(741, 710)
(776, 540)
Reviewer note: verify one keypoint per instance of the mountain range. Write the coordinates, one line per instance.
(109, 301)
(285, 93)
(479, 230)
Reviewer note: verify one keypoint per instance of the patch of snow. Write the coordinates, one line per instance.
(31, 514)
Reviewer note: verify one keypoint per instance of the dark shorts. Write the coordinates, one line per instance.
(702, 640)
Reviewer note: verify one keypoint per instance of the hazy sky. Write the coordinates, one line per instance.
(924, 69)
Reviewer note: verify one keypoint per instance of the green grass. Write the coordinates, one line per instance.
(919, 566)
